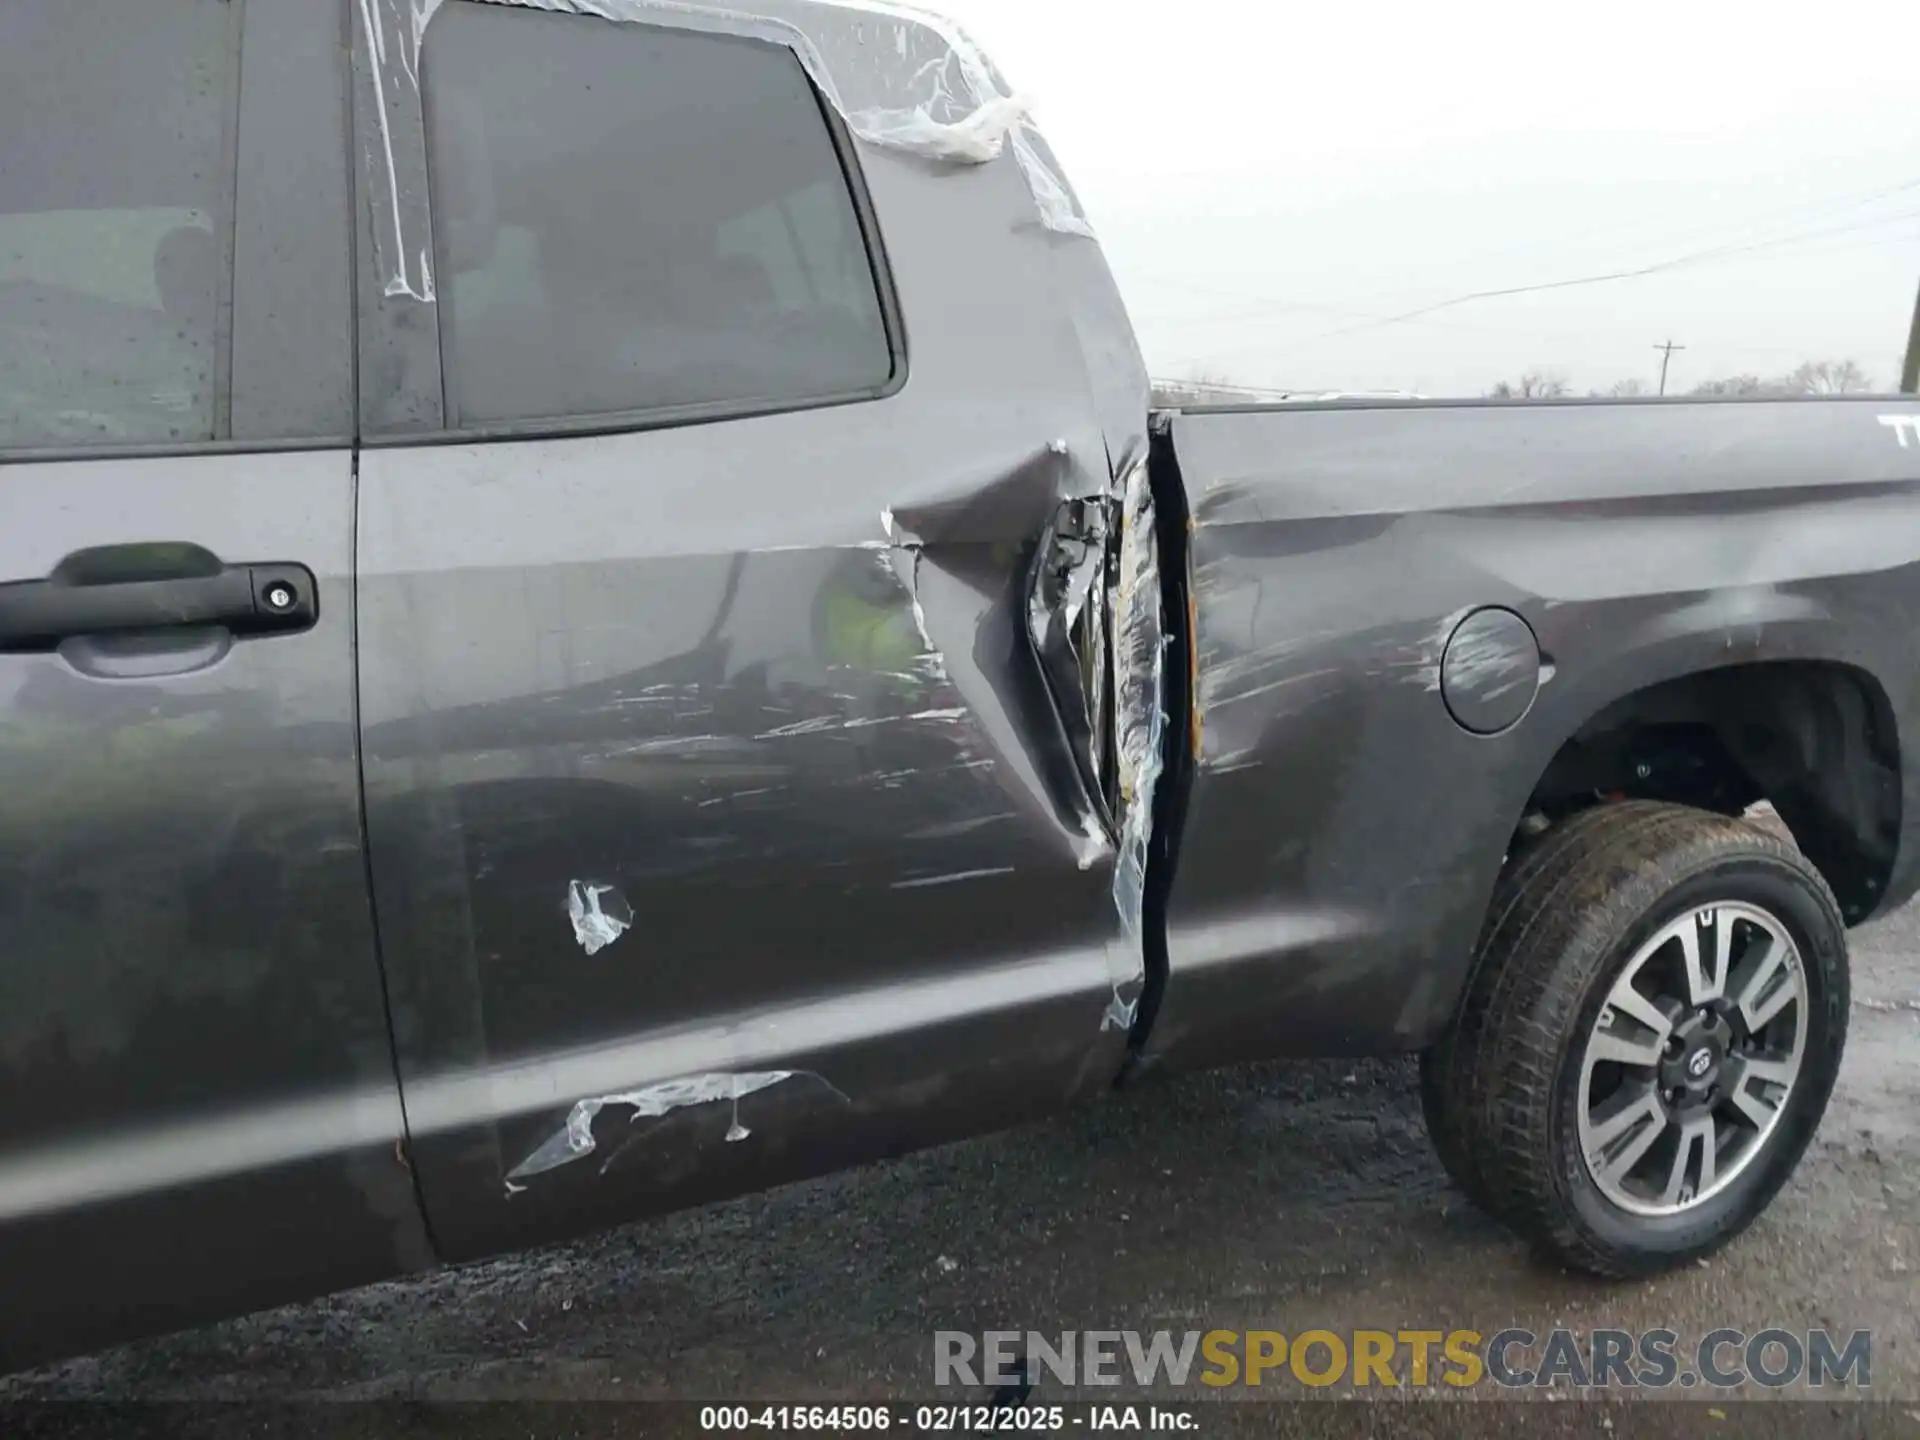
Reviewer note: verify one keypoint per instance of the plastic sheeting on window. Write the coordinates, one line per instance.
(903, 78)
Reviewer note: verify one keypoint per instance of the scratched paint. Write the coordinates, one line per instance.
(954, 879)
(1480, 659)
(827, 724)
(1490, 671)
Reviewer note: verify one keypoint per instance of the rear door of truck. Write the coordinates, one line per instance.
(723, 829)
(198, 1111)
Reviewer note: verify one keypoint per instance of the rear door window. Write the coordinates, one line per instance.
(631, 219)
(115, 220)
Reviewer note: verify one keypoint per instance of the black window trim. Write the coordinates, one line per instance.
(665, 417)
(229, 237)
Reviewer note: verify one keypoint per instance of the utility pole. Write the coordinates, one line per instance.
(1666, 357)
(1910, 372)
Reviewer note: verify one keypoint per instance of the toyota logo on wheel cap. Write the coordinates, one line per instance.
(1700, 1062)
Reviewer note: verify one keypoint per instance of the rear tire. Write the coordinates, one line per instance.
(1621, 1101)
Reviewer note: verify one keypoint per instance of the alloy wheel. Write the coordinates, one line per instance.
(1692, 1059)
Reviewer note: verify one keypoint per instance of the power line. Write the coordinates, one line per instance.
(1245, 345)
(1259, 316)
(1838, 205)
(1658, 267)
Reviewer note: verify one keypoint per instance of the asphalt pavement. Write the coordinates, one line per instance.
(1278, 1197)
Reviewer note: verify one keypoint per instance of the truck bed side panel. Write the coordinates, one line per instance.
(1344, 832)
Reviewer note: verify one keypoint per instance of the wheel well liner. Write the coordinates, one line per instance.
(1815, 739)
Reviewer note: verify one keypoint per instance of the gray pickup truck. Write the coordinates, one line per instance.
(593, 616)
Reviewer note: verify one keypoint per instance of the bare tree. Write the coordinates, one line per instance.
(1534, 385)
(1742, 385)
(1815, 377)
(1627, 389)
(1829, 377)
(1205, 388)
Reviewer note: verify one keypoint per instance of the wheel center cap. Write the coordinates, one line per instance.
(1694, 1055)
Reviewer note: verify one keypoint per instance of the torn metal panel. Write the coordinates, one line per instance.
(952, 540)
(903, 79)
(1067, 621)
(1140, 643)
(1096, 619)
(574, 1139)
(1140, 646)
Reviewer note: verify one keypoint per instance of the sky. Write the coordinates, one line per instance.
(1278, 185)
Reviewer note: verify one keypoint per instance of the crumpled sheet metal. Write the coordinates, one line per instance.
(1140, 644)
(574, 1140)
(903, 78)
(1140, 649)
(1067, 621)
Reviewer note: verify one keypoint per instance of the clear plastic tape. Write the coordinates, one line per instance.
(599, 913)
(574, 1139)
(903, 78)
(1140, 645)
(396, 187)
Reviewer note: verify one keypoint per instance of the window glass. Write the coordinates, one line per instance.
(630, 218)
(113, 218)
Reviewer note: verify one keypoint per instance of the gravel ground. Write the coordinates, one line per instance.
(1285, 1197)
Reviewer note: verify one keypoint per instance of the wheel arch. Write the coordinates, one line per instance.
(1815, 735)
